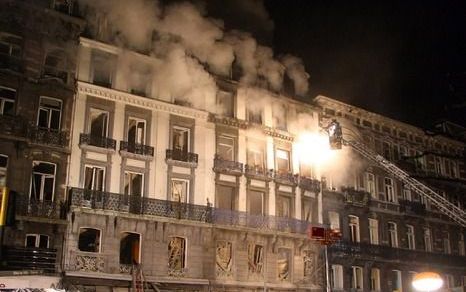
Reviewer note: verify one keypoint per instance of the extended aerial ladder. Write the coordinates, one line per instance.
(443, 205)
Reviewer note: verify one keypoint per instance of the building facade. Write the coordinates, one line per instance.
(390, 232)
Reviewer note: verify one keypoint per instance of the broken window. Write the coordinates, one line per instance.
(134, 183)
(226, 147)
(223, 258)
(3, 169)
(410, 238)
(353, 228)
(94, 178)
(256, 202)
(283, 206)
(37, 240)
(283, 160)
(179, 190)
(357, 278)
(389, 190)
(392, 234)
(181, 139)
(136, 131)
(7, 101)
(177, 254)
(255, 258)
(103, 65)
(98, 123)
(55, 65)
(225, 197)
(49, 113)
(284, 264)
(10, 44)
(89, 240)
(225, 103)
(130, 248)
(42, 181)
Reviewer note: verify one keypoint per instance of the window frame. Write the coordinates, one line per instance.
(99, 250)
(4, 171)
(188, 188)
(370, 185)
(187, 130)
(37, 236)
(374, 231)
(392, 234)
(100, 111)
(410, 237)
(3, 100)
(219, 144)
(43, 177)
(354, 231)
(427, 237)
(357, 278)
(94, 167)
(49, 112)
(185, 251)
(12, 45)
(374, 282)
(389, 189)
(287, 152)
(136, 136)
(130, 185)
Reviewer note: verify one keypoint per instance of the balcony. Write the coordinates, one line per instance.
(176, 210)
(9, 62)
(227, 166)
(136, 148)
(383, 252)
(178, 156)
(13, 126)
(47, 136)
(42, 209)
(286, 178)
(413, 208)
(101, 142)
(309, 184)
(51, 72)
(257, 171)
(30, 258)
(355, 197)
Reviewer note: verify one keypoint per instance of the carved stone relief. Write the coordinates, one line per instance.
(283, 264)
(224, 259)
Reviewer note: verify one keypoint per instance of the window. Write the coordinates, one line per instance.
(255, 157)
(375, 279)
(370, 184)
(306, 170)
(226, 148)
(449, 281)
(179, 190)
(136, 131)
(134, 184)
(177, 254)
(225, 103)
(410, 238)
(255, 258)
(334, 219)
(94, 178)
(336, 277)
(439, 165)
(37, 240)
(306, 213)
(403, 152)
(7, 101)
(284, 264)
(225, 197)
(446, 243)
(102, 68)
(386, 148)
(284, 205)
(130, 248)
(396, 281)
(461, 244)
(357, 278)
(140, 79)
(373, 231)
(64, 6)
(392, 235)
(10, 44)
(389, 190)
(42, 181)
(454, 169)
(256, 202)
(98, 123)
(3, 169)
(89, 240)
(427, 240)
(279, 112)
(55, 65)
(254, 116)
(49, 113)
(354, 228)
(407, 193)
(283, 160)
(181, 139)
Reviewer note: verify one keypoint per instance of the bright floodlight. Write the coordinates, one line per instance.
(427, 281)
(313, 148)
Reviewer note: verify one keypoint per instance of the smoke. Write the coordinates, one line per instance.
(295, 70)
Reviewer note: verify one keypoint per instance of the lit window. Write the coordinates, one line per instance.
(427, 240)
(354, 228)
(256, 202)
(42, 181)
(98, 126)
(89, 240)
(357, 278)
(179, 190)
(392, 234)
(410, 238)
(225, 147)
(3, 169)
(49, 113)
(181, 139)
(336, 277)
(94, 178)
(10, 44)
(375, 279)
(255, 258)
(373, 231)
(370, 184)
(177, 254)
(134, 183)
(130, 248)
(37, 240)
(283, 160)
(136, 131)
(255, 157)
(7, 101)
(389, 190)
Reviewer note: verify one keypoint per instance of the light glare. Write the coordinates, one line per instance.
(314, 149)
(427, 281)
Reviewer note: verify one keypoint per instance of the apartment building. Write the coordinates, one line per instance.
(390, 232)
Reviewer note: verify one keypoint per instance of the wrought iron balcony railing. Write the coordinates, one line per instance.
(170, 209)
(9, 62)
(14, 126)
(102, 142)
(309, 184)
(356, 197)
(411, 207)
(222, 165)
(179, 155)
(258, 171)
(372, 251)
(285, 177)
(30, 258)
(47, 136)
(137, 148)
(43, 209)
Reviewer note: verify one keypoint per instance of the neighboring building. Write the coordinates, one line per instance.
(37, 63)
(389, 231)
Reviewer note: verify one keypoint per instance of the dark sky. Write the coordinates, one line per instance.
(404, 59)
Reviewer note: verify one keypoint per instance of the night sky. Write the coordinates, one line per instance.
(406, 60)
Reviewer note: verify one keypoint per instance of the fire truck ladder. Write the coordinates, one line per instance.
(446, 207)
(138, 278)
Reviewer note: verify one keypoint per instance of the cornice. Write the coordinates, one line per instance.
(124, 97)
